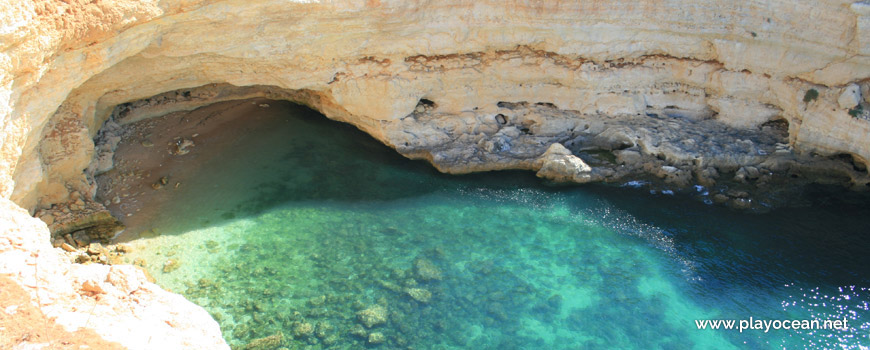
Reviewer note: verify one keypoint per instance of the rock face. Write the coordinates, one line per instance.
(67, 66)
(559, 164)
(850, 97)
(116, 302)
(466, 85)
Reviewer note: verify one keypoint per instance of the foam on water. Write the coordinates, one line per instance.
(304, 222)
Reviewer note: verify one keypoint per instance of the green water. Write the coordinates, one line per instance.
(304, 222)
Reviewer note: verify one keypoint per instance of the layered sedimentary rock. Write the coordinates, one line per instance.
(371, 63)
(468, 85)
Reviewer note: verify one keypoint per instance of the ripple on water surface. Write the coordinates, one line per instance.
(313, 230)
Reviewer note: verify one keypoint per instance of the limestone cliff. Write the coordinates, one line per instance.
(468, 85)
(116, 301)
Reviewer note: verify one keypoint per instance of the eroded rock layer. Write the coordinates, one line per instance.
(371, 64)
(688, 91)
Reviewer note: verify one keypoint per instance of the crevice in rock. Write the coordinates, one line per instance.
(547, 104)
(512, 105)
(424, 105)
(851, 160)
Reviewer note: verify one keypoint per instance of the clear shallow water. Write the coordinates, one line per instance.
(306, 222)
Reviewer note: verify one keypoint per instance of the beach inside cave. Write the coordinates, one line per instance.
(288, 223)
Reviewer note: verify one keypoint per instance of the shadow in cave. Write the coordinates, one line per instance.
(293, 154)
(264, 158)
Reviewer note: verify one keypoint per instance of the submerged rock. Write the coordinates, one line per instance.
(420, 294)
(426, 270)
(266, 343)
(373, 316)
(114, 259)
(390, 286)
(317, 301)
(377, 338)
(171, 265)
(359, 331)
(330, 340)
(303, 330)
(719, 198)
(323, 329)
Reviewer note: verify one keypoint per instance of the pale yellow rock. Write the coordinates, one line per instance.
(376, 338)
(460, 54)
(420, 294)
(372, 316)
(65, 66)
(65, 292)
(559, 164)
(850, 97)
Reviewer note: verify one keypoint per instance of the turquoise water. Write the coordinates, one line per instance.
(301, 223)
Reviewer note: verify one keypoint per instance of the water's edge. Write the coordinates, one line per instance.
(314, 230)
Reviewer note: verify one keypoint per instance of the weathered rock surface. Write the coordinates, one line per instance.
(95, 222)
(372, 316)
(559, 164)
(425, 270)
(420, 294)
(666, 86)
(266, 343)
(850, 97)
(376, 338)
(117, 302)
(63, 74)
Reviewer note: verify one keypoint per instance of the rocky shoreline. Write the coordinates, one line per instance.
(666, 151)
(649, 78)
(141, 164)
